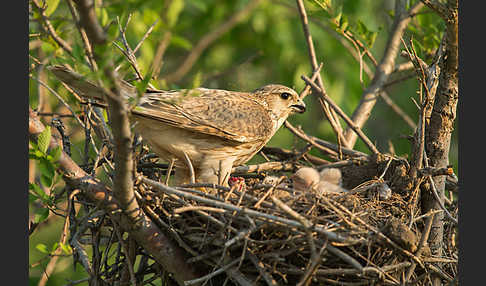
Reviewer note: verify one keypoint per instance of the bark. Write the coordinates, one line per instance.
(441, 124)
(383, 70)
(146, 233)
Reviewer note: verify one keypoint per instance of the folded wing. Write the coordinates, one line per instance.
(230, 115)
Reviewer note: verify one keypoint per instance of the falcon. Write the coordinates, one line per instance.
(204, 130)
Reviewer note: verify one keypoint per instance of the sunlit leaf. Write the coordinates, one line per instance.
(42, 248)
(51, 6)
(181, 42)
(41, 215)
(39, 191)
(56, 153)
(173, 11)
(44, 139)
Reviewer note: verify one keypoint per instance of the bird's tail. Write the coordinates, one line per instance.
(84, 87)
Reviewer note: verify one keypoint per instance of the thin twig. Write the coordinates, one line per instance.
(350, 123)
(50, 29)
(383, 70)
(256, 214)
(335, 124)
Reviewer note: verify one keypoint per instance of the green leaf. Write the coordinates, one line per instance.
(343, 23)
(142, 85)
(32, 198)
(181, 42)
(66, 248)
(41, 215)
(196, 82)
(51, 6)
(55, 154)
(102, 15)
(44, 139)
(42, 248)
(39, 191)
(35, 154)
(46, 180)
(200, 4)
(173, 11)
(47, 171)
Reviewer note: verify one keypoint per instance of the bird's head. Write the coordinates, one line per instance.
(280, 100)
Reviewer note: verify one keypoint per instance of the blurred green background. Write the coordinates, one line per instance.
(267, 46)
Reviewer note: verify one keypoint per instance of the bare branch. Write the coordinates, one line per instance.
(147, 234)
(348, 121)
(383, 70)
(330, 115)
(89, 21)
(50, 29)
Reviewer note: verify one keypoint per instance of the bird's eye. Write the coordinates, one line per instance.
(285, 95)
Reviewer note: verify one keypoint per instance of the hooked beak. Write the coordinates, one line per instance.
(299, 107)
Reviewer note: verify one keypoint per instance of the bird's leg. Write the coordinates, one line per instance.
(169, 170)
(182, 176)
(190, 167)
(215, 171)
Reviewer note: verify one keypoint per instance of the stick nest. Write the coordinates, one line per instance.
(264, 234)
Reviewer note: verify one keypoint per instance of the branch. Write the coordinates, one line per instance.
(51, 31)
(330, 115)
(438, 7)
(383, 70)
(332, 236)
(205, 41)
(148, 235)
(348, 121)
(89, 21)
(134, 219)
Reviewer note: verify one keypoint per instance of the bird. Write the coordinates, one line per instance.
(329, 180)
(203, 132)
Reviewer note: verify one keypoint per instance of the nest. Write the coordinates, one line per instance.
(270, 234)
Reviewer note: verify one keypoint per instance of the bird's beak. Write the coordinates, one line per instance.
(299, 107)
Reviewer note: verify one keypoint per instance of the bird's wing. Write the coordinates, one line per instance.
(230, 115)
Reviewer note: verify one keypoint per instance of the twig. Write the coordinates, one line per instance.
(441, 204)
(383, 70)
(335, 124)
(268, 192)
(130, 260)
(60, 99)
(438, 7)
(311, 268)
(261, 269)
(212, 274)
(84, 37)
(256, 214)
(148, 235)
(324, 144)
(62, 240)
(89, 21)
(309, 139)
(150, 29)
(422, 242)
(350, 123)
(50, 29)
(267, 166)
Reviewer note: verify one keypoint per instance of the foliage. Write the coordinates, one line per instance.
(266, 47)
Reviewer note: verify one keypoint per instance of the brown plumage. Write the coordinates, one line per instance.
(216, 129)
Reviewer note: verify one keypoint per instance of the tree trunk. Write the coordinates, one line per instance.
(441, 124)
